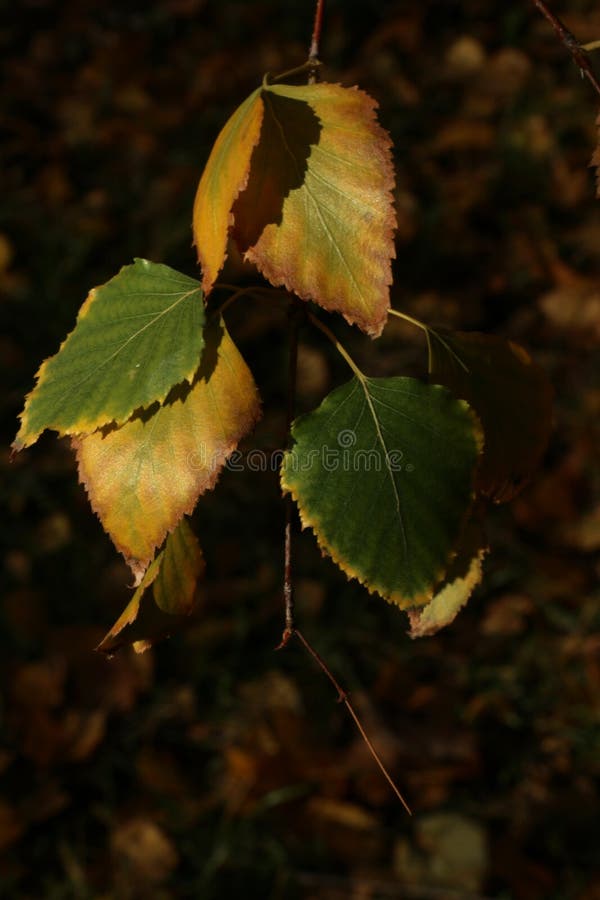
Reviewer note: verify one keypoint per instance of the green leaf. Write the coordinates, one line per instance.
(136, 336)
(173, 575)
(382, 472)
(510, 394)
(462, 577)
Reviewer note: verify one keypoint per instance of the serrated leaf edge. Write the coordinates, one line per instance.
(395, 598)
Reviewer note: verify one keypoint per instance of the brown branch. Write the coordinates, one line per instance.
(343, 698)
(296, 312)
(575, 48)
(313, 53)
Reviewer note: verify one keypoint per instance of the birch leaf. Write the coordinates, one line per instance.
(136, 336)
(316, 215)
(512, 397)
(152, 614)
(463, 576)
(303, 177)
(143, 476)
(224, 176)
(383, 473)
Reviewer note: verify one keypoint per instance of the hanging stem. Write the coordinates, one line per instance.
(296, 312)
(577, 50)
(421, 325)
(240, 292)
(341, 350)
(313, 53)
(343, 698)
(407, 318)
(308, 66)
(257, 291)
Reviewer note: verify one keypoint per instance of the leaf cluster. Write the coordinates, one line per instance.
(391, 474)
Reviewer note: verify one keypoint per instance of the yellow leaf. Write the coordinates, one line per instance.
(173, 575)
(224, 176)
(452, 594)
(142, 477)
(181, 566)
(111, 641)
(316, 215)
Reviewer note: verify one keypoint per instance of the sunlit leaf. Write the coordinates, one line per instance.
(224, 176)
(311, 169)
(383, 473)
(463, 576)
(173, 575)
(316, 215)
(510, 394)
(136, 336)
(181, 566)
(143, 476)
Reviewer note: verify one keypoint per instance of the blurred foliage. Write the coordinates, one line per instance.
(211, 766)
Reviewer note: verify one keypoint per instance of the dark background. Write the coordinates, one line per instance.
(212, 766)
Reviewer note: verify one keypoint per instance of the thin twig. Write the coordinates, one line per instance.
(340, 349)
(343, 698)
(313, 53)
(575, 48)
(296, 311)
(423, 327)
(309, 66)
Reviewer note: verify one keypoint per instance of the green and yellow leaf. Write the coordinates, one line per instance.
(224, 176)
(142, 477)
(136, 336)
(311, 169)
(383, 473)
(463, 576)
(512, 397)
(173, 575)
(181, 566)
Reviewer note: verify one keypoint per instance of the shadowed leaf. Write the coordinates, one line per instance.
(463, 576)
(181, 566)
(143, 476)
(316, 215)
(510, 394)
(224, 176)
(382, 472)
(173, 576)
(136, 336)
